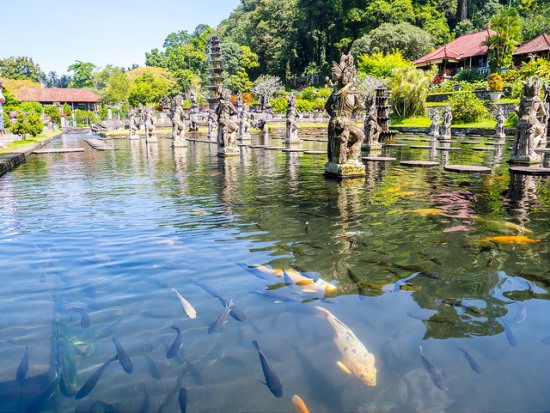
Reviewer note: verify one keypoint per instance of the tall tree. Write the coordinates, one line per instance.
(507, 25)
(83, 74)
(21, 68)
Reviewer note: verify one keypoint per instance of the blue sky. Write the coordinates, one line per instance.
(57, 33)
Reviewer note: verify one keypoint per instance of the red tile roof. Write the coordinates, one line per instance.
(538, 44)
(57, 95)
(467, 45)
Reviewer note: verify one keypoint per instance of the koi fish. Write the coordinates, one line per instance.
(187, 307)
(356, 359)
(271, 378)
(309, 284)
(511, 239)
(37, 404)
(470, 360)
(299, 404)
(222, 318)
(182, 399)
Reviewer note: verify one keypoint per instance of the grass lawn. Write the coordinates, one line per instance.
(15, 146)
(425, 122)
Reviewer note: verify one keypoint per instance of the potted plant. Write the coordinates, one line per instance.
(496, 85)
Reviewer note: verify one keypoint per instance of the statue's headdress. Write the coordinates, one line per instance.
(345, 70)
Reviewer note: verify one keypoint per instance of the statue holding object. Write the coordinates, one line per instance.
(292, 125)
(177, 116)
(372, 128)
(135, 118)
(445, 130)
(150, 127)
(344, 137)
(434, 127)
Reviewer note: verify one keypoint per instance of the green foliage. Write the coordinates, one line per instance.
(67, 111)
(83, 74)
(28, 124)
(469, 75)
(309, 93)
(412, 42)
(324, 93)
(280, 104)
(409, 87)
(382, 65)
(467, 108)
(511, 120)
(148, 89)
(53, 112)
(21, 68)
(31, 107)
(85, 117)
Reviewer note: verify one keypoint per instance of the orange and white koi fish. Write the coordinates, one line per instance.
(356, 359)
(299, 404)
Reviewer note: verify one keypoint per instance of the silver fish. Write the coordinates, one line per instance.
(509, 334)
(176, 345)
(436, 377)
(470, 360)
(123, 357)
(222, 319)
(186, 305)
(94, 378)
(23, 367)
(37, 404)
(521, 314)
(271, 378)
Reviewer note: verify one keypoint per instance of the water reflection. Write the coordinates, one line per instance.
(522, 196)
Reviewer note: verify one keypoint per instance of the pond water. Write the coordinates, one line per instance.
(94, 242)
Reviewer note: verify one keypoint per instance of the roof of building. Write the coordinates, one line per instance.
(538, 44)
(57, 95)
(467, 45)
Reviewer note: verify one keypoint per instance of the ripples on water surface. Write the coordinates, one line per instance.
(93, 243)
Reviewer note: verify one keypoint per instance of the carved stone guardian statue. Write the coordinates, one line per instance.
(150, 127)
(434, 127)
(292, 125)
(177, 116)
(499, 128)
(344, 137)
(372, 128)
(244, 123)
(228, 128)
(445, 129)
(530, 129)
(135, 118)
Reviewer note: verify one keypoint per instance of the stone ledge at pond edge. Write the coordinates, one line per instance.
(10, 161)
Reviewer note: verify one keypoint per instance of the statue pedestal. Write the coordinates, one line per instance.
(134, 137)
(179, 143)
(344, 170)
(525, 159)
(374, 146)
(224, 151)
(151, 139)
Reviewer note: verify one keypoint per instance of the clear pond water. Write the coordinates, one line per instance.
(93, 243)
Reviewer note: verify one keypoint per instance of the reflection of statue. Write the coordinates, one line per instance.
(177, 116)
(292, 125)
(244, 124)
(522, 196)
(529, 128)
(546, 121)
(227, 127)
(344, 137)
(372, 128)
(150, 127)
(434, 127)
(135, 118)
(445, 130)
(500, 118)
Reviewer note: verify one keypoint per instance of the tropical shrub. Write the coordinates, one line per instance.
(496, 84)
(469, 75)
(31, 107)
(280, 104)
(28, 123)
(409, 88)
(466, 107)
(53, 112)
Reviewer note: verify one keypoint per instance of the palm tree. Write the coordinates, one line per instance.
(507, 27)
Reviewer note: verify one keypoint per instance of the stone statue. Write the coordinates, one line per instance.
(239, 101)
(445, 130)
(371, 126)
(547, 107)
(244, 123)
(499, 129)
(227, 126)
(193, 115)
(344, 137)
(135, 118)
(150, 127)
(177, 116)
(530, 129)
(434, 127)
(212, 121)
(292, 125)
